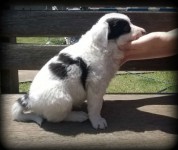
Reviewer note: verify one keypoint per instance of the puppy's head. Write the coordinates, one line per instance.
(118, 27)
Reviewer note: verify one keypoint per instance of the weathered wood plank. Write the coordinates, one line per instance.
(105, 3)
(29, 57)
(9, 81)
(33, 57)
(63, 23)
(161, 64)
(131, 119)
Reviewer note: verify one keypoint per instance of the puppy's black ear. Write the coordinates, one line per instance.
(117, 27)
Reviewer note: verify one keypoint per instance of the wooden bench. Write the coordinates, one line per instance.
(135, 120)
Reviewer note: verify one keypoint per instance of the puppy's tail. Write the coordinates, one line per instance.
(18, 109)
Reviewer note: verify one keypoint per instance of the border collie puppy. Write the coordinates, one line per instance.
(79, 72)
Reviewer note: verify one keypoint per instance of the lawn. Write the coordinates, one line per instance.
(128, 82)
(150, 82)
(124, 82)
(41, 40)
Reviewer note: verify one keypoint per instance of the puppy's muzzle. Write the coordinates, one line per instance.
(137, 32)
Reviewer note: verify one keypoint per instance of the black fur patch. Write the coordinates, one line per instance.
(85, 70)
(66, 59)
(23, 101)
(117, 27)
(60, 68)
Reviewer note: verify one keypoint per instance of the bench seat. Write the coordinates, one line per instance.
(134, 121)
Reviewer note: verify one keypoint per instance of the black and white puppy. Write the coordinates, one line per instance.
(79, 72)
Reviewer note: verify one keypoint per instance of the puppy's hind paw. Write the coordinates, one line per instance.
(77, 116)
(38, 119)
(82, 116)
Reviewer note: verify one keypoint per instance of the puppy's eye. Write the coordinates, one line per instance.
(126, 28)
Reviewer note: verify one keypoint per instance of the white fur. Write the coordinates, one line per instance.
(53, 98)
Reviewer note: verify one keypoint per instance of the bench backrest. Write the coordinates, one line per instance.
(29, 23)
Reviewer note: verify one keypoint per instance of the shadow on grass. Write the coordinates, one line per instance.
(122, 115)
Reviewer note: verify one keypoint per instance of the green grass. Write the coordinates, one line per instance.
(24, 87)
(151, 82)
(154, 82)
(41, 40)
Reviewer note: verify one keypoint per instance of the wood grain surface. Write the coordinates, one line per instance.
(135, 121)
(63, 23)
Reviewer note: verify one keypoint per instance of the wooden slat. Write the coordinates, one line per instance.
(161, 64)
(9, 81)
(9, 77)
(24, 56)
(147, 120)
(104, 3)
(62, 23)
(33, 57)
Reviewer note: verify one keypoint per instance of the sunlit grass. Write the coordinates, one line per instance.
(127, 82)
(41, 40)
(24, 87)
(154, 82)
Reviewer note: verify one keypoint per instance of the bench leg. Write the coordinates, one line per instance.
(9, 81)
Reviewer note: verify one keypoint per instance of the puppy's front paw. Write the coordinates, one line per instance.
(98, 122)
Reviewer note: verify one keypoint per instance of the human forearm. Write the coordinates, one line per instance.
(152, 45)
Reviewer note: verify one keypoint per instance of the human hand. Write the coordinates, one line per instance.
(152, 45)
